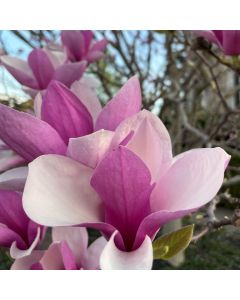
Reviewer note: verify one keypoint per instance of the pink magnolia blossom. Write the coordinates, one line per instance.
(227, 40)
(125, 183)
(17, 231)
(69, 251)
(80, 46)
(62, 114)
(42, 67)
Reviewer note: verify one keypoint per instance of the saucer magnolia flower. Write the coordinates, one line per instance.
(79, 45)
(17, 231)
(42, 67)
(61, 115)
(227, 40)
(69, 251)
(128, 187)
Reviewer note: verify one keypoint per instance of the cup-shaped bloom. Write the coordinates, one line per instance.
(17, 231)
(227, 40)
(79, 45)
(62, 114)
(42, 67)
(128, 188)
(68, 251)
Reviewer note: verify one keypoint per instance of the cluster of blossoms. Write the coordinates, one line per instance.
(75, 165)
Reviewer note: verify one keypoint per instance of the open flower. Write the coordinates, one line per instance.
(42, 67)
(128, 187)
(17, 231)
(69, 251)
(61, 115)
(80, 46)
(227, 40)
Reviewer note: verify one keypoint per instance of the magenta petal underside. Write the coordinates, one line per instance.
(124, 104)
(41, 66)
(65, 112)
(123, 182)
(30, 137)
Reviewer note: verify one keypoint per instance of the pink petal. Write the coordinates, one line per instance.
(90, 149)
(231, 42)
(58, 192)
(99, 45)
(76, 238)
(52, 258)
(114, 259)
(153, 222)
(10, 160)
(124, 104)
(123, 182)
(25, 263)
(93, 254)
(88, 36)
(68, 257)
(14, 179)
(16, 253)
(20, 70)
(12, 213)
(150, 141)
(37, 105)
(7, 236)
(192, 181)
(68, 73)
(27, 135)
(64, 112)
(74, 42)
(87, 95)
(41, 66)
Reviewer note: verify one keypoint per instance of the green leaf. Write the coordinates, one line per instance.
(169, 245)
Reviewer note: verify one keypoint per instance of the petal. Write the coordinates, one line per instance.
(68, 257)
(37, 105)
(10, 161)
(153, 222)
(12, 213)
(8, 236)
(74, 42)
(90, 149)
(88, 36)
(99, 45)
(124, 104)
(123, 182)
(20, 70)
(84, 91)
(27, 135)
(41, 66)
(57, 57)
(68, 73)
(58, 192)
(93, 254)
(25, 263)
(231, 42)
(52, 258)
(76, 238)
(192, 181)
(14, 179)
(150, 141)
(114, 259)
(16, 253)
(64, 112)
